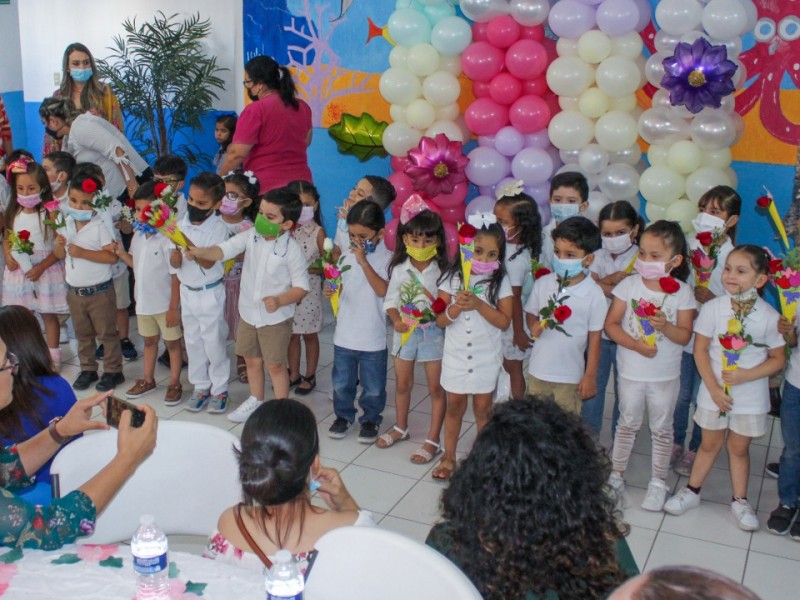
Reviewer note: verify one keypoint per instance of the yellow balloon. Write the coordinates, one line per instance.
(594, 103)
(661, 185)
(684, 157)
(654, 212)
(594, 47)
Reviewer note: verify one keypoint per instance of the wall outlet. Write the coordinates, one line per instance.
(57, 78)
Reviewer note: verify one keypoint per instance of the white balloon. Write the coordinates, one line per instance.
(684, 157)
(398, 113)
(451, 129)
(752, 14)
(661, 126)
(624, 103)
(569, 103)
(441, 88)
(451, 64)
(483, 11)
(529, 12)
(569, 76)
(732, 45)
(702, 180)
(399, 138)
(420, 114)
(618, 76)
(423, 59)
(619, 181)
(658, 155)
(733, 177)
(635, 203)
(629, 156)
(449, 112)
(725, 19)
(593, 103)
(398, 57)
(665, 42)
(569, 157)
(597, 200)
(594, 47)
(567, 47)
(661, 185)
(713, 130)
(654, 68)
(407, 27)
(629, 45)
(399, 86)
(616, 130)
(678, 16)
(570, 130)
(721, 159)
(451, 35)
(593, 158)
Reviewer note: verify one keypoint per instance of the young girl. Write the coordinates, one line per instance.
(224, 128)
(37, 280)
(620, 228)
(475, 320)
(420, 258)
(733, 402)
(308, 314)
(241, 189)
(517, 214)
(719, 212)
(650, 319)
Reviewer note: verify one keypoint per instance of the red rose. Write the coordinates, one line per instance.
(160, 187)
(726, 342)
(24, 235)
(775, 266)
(783, 283)
(438, 306)
(562, 313)
(89, 186)
(467, 231)
(416, 313)
(669, 285)
(650, 310)
(764, 201)
(146, 214)
(541, 272)
(705, 238)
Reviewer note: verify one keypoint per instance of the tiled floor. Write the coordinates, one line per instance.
(404, 497)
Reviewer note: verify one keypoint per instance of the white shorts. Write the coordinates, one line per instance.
(510, 351)
(751, 426)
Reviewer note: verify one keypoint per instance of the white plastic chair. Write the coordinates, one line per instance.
(364, 563)
(191, 477)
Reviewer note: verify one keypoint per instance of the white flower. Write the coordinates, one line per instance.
(327, 245)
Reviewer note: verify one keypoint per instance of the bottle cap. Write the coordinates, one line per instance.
(283, 556)
(147, 520)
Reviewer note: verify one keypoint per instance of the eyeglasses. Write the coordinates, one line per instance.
(247, 82)
(11, 364)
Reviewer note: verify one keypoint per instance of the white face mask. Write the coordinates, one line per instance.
(705, 222)
(744, 295)
(617, 244)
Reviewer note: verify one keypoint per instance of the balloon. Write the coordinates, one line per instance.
(502, 31)
(532, 165)
(597, 200)
(617, 17)
(398, 113)
(725, 19)
(481, 61)
(568, 103)
(449, 128)
(451, 240)
(480, 89)
(566, 47)
(618, 76)
(407, 27)
(484, 116)
(616, 130)
(441, 88)
(454, 198)
(661, 126)
(483, 10)
(629, 156)
(540, 139)
(593, 158)
(390, 234)
(619, 181)
(720, 159)
(593, 103)
(629, 45)
(479, 32)
(403, 186)
(508, 141)
(481, 204)
(624, 103)
(420, 114)
(454, 214)
(684, 157)
(658, 155)
(399, 86)
(683, 211)
(569, 130)
(569, 157)
(666, 42)
(395, 208)
(451, 35)
(654, 212)
(644, 20)
(423, 59)
(702, 180)
(529, 12)
(448, 112)
(437, 11)
(398, 163)
(654, 68)
(676, 17)
(486, 141)
(571, 19)
(505, 88)
(569, 76)
(526, 59)
(594, 47)
(486, 166)
(535, 87)
(398, 57)
(529, 114)
(399, 138)
(661, 185)
(450, 64)
(713, 130)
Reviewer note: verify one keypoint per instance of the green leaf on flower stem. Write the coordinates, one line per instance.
(194, 587)
(114, 562)
(11, 556)
(66, 559)
(360, 136)
(174, 571)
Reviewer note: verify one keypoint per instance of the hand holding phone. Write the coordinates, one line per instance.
(114, 408)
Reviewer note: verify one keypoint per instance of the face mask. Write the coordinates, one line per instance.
(651, 270)
(229, 206)
(369, 246)
(484, 268)
(568, 267)
(744, 296)
(704, 222)
(53, 133)
(80, 215)
(306, 215)
(197, 215)
(421, 254)
(562, 212)
(266, 227)
(618, 244)
(31, 201)
(509, 238)
(56, 185)
(144, 227)
(253, 96)
(80, 75)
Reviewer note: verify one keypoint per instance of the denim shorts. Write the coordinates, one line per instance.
(425, 344)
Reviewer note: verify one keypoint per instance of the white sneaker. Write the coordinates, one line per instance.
(656, 495)
(616, 485)
(744, 514)
(681, 502)
(246, 409)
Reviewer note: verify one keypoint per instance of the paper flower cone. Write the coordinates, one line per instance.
(543, 325)
(767, 202)
(335, 302)
(643, 310)
(466, 246)
(160, 216)
(629, 268)
(412, 325)
(228, 265)
(788, 299)
(703, 266)
(730, 362)
(648, 333)
(333, 279)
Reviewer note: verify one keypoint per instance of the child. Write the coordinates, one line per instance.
(719, 213)
(420, 258)
(359, 342)
(518, 215)
(241, 189)
(308, 314)
(569, 196)
(733, 402)
(224, 128)
(475, 320)
(274, 280)
(557, 365)
(620, 228)
(202, 296)
(37, 280)
(5, 182)
(157, 294)
(172, 170)
(650, 319)
(59, 167)
(370, 187)
(87, 246)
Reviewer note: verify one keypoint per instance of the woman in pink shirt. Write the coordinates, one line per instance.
(273, 131)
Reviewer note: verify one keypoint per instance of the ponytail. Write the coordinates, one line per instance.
(286, 88)
(263, 69)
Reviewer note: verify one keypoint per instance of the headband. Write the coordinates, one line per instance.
(18, 166)
(481, 220)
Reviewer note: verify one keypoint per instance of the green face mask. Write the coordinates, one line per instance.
(266, 227)
(421, 254)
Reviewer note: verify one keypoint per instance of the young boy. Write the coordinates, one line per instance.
(157, 293)
(370, 187)
(569, 196)
(203, 297)
(274, 280)
(88, 253)
(171, 169)
(557, 365)
(59, 167)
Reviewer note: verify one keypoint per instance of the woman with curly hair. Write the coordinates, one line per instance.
(527, 514)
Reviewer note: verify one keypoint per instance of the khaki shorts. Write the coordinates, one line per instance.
(153, 325)
(565, 394)
(751, 426)
(269, 343)
(122, 289)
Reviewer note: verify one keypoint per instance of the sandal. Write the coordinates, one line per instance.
(241, 371)
(296, 381)
(305, 391)
(386, 440)
(443, 470)
(423, 455)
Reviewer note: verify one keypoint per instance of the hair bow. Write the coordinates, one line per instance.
(512, 188)
(412, 207)
(251, 177)
(18, 166)
(481, 220)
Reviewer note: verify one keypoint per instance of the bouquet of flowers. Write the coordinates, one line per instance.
(55, 218)
(538, 270)
(735, 340)
(704, 258)
(413, 312)
(166, 193)
(556, 312)
(466, 246)
(645, 310)
(331, 271)
(159, 216)
(785, 275)
(767, 203)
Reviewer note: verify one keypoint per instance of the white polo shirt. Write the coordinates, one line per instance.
(210, 232)
(81, 272)
(153, 280)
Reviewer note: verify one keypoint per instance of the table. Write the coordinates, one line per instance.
(86, 572)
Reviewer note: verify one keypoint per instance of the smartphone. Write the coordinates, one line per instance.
(114, 408)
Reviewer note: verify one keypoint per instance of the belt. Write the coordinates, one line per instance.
(202, 287)
(92, 289)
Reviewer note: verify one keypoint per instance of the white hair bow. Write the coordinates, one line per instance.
(251, 177)
(512, 188)
(481, 220)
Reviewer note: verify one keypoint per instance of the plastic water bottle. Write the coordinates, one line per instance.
(149, 550)
(284, 580)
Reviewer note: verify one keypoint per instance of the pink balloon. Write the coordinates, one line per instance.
(535, 87)
(454, 214)
(451, 239)
(454, 198)
(396, 207)
(398, 163)
(502, 31)
(479, 32)
(505, 88)
(526, 59)
(403, 186)
(529, 114)
(481, 89)
(390, 234)
(485, 116)
(532, 33)
(481, 61)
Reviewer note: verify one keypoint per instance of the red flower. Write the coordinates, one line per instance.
(541, 272)
(438, 306)
(160, 187)
(650, 310)
(705, 238)
(416, 313)
(38, 522)
(467, 231)
(562, 313)
(775, 266)
(764, 201)
(24, 235)
(130, 203)
(146, 214)
(89, 186)
(783, 282)
(669, 285)
(727, 342)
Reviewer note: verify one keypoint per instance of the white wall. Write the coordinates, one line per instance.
(11, 71)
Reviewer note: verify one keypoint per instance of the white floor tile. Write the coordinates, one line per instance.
(670, 549)
(771, 577)
(421, 504)
(711, 522)
(416, 531)
(376, 490)
(775, 545)
(641, 541)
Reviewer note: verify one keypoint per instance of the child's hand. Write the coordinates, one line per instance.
(124, 226)
(173, 317)
(75, 251)
(658, 320)
(35, 272)
(60, 247)
(785, 326)
(272, 303)
(587, 388)
(327, 290)
(359, 253)
(536, 329)
(11, 263)
(344, 209)
(401, 327)
(614, 278)
(521, 339)
(189, 254)
(703, 294)
(466, 300)
(735, 377)
(721, 399)
(645, 349)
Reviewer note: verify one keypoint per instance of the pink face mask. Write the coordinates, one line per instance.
(651, 270)
(229, 206)
(484, 268)
(31, 201)
(306, 215)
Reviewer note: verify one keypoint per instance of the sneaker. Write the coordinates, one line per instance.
(368, 433)
(246, 409)
(339, 428)
(681, 502)
(773, 469)
(128, 349)
(109, 381)
(684, 465)
(99, 352)
(616, 489)
(198, 400)
(173, 395)
(781, 519)
(140, 389)
(218, 403)
(745, 516)
(794, 532)
(84, 380)
(655, 496)
(677, 454)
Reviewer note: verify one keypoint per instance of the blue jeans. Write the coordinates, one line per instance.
(350, 366)
(687, 395)
(789, 480)
(593, 409)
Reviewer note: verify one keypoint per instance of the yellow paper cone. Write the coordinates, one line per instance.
(228, 265)
(776, 220)
(629, 268)
(726, 367)
(649, 339)
(412, 325)
(466, 269)
(335, 302)
(543, 324)
(177, 237)
(787, 310)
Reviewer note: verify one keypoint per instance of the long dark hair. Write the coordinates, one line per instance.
(672, 235)
(39, 175)
(493, 282)
(528, 220)
(263, 69)
(228, 121)
(22, 336)
(304, 187)
(426, 223)
(93, 92)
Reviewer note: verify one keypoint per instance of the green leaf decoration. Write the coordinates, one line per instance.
(11, 556)
(360, 136)
(174, 571)
(66, 559)
(193, 587)
(114, 562)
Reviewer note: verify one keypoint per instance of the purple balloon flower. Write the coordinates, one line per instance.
(698, 75)
(436, 166)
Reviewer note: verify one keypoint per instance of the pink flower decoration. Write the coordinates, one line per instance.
(794, 277)
(51, 206)
(737, 343)
(436, 166)
(97, 552)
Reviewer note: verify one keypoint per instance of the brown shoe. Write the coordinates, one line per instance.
(174, 393)
(141, 388)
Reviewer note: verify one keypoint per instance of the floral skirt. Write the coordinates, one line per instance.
(232, 282)
(47, 295)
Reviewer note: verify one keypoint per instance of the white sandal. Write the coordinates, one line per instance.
(387, 439)
(424, 454)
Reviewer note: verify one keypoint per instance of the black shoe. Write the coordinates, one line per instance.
(781, 519)
(164, 359)
(99, 352)
(794, 532)
(368, 433)
(109, 381)
(774, 402)
(128, 349)
(84, 380)
(305, 391)
(339, 428)
(773, 469)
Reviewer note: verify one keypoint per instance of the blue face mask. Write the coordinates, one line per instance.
(80, 215)
(81, 75)
(369, 246)
(568, 267)
(314, 485)
(562, 212)
(144, 227)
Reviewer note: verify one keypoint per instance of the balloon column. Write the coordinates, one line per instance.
(692, 124)
(597, 73)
